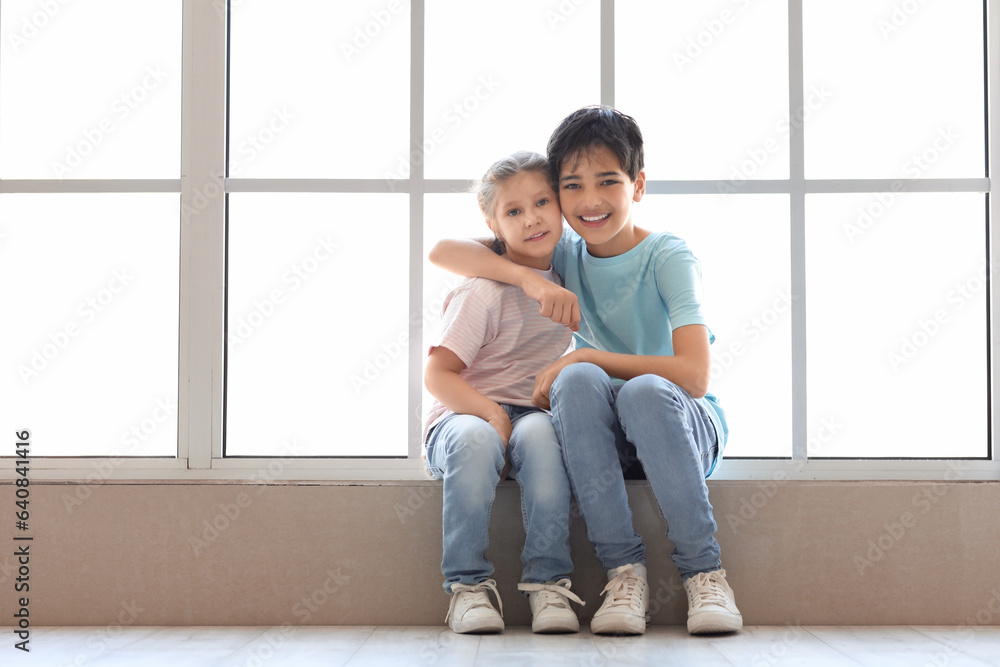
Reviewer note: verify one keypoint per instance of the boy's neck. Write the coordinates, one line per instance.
(629, 237)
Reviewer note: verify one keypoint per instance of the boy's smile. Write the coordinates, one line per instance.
(596, 198)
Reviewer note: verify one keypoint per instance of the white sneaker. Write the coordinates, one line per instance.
(550, 610)
(624, 611)
(470, 611)
(711, 604)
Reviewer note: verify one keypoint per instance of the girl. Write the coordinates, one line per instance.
(481, 371)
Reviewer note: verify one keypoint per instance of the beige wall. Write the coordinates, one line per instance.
(842, 553)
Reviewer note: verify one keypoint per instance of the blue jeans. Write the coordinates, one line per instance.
(605, 430)
(466, 452)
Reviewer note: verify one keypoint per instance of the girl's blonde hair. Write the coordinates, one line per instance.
(487, 189)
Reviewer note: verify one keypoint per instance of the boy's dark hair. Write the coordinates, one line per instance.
(596, 126)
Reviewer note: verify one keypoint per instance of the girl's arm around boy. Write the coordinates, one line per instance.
(472, 257)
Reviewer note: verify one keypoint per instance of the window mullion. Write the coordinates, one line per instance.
(796, 170)
(993, 168)
(202, 234)
(417, 186)
(608, 52)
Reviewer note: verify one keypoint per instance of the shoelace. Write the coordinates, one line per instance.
(552, 595)
(479, 599)
(708, 589)
(625, 589)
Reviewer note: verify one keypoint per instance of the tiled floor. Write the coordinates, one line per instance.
(395, 646)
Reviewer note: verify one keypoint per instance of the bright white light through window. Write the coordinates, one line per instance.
(318, 327)
(901, 87)
(318, 89)
(90, 89)
(708, 84)
(897, 325)
(89, 283)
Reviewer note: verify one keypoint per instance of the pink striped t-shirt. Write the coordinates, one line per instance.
(496, 331)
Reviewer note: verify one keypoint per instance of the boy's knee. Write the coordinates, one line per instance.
(646, 390)
(582, 373)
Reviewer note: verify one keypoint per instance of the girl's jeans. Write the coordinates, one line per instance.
(604, 429)
(466, 452)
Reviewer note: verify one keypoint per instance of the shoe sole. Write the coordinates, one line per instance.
(618, 625)
(555, 627)
(714, 623)
(478, 628)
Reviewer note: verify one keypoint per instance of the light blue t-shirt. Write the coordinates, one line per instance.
(631, 303)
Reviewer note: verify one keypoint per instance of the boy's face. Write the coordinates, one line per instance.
(596, 198)
(527, 219)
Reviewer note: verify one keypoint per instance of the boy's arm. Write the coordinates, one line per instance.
(472, 257)
(442, 379)
(689, 368)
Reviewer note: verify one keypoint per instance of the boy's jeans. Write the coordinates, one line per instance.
(603, 428)
(466, 452)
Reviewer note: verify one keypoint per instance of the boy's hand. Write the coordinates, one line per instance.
(548, 375)
(555, 302)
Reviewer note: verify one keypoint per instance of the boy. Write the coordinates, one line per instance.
(636, 386)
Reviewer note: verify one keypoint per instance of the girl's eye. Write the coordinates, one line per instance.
(514, 211)
(543, 202)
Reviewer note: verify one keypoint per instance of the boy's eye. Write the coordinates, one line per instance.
(571, 186)
(609, 181)
(543, 201)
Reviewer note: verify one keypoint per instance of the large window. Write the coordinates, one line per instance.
(217, 265)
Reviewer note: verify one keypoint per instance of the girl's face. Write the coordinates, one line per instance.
(527, 219)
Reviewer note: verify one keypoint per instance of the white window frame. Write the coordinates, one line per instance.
(201, 366)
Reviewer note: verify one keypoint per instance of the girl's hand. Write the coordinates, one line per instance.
(555, 302)
(501, 422)
(548, 375)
